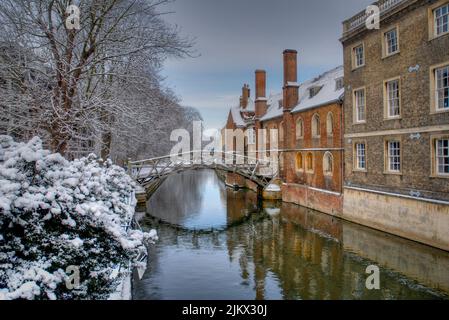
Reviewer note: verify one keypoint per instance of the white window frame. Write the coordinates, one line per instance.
(357, 105)
(444, 88)
(438, 156)
(359, 153)
(389, 99)
(357, 60)
(444, 20)
(393, 156)
(388, 44)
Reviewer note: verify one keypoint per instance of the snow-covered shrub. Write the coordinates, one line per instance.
(55, 214)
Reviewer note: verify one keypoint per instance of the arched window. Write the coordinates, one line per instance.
(328, 163)
(299, 162)
(281, 131)
(299, 128)
(330, 124)
(309, 162)
(316, 125)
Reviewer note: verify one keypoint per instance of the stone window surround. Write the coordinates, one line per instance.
(432, 82)
(301, 135)
(354, 157)
(385, 53)
(330, 124)
(331, 160)
(433, 160)
(316, 125)
(386, 155)
(308, 159)
(385, 99)
(354, 106)
(354, 58)
(431, 19)
(299, 168)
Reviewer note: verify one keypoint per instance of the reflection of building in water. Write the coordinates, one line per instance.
(315, 256)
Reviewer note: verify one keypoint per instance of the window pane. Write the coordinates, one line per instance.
(360, 154)
(442, 87)
(391, 39)
(394, 156)
(360, 105)
(393, 98)
(442, 156)
(441, 19)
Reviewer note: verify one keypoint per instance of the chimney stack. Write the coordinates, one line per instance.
(245, 96)
(261, 99)
(291, 85)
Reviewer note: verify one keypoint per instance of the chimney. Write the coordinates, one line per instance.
(245, 96)
(261, 100)
(290, 80)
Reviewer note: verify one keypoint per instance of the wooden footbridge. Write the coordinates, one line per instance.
(150, 173)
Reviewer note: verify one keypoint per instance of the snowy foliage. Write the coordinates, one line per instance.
(55, 214)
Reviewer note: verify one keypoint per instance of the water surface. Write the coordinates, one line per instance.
(218, 243)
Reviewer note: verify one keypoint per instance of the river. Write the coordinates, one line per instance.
(218, 243)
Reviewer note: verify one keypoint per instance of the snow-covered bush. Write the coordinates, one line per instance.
(56, 215)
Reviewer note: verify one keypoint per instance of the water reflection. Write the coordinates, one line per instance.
(293, 254)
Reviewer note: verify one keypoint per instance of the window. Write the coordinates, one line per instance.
(359, 102)
(313, 91)
(360, 156)
(442, 88)
(358, 56)
(299, 162)
(339, 84)
(392, 98)
(316, 126)
(442, 156)
(328, 163)
(309, 162)
(391, 42)
(281, 131)
(393, 156)
(330, 124)
(441, 20)
(251, 136)
(299, 128)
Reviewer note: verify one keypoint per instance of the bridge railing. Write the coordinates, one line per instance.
(159, 166)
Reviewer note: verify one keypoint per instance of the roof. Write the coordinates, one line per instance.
(274, 107)
(237, 114)
(327, 94)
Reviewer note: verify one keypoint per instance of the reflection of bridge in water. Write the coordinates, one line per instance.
(150, 173)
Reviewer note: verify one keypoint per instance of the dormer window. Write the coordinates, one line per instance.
(339, 84)
(313, 91)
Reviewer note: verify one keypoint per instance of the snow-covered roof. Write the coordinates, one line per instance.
(237, 116)
(327, 93)
(238, 112)
(274, 107)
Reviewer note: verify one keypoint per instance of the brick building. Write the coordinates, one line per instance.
(305, 119)
(397, 120)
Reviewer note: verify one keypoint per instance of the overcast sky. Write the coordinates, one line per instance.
(236, 37)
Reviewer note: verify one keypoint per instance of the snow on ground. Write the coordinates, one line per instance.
(61, 221)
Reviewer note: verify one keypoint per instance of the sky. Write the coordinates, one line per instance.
(233, 38)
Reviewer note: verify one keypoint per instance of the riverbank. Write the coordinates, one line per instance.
(409, 217)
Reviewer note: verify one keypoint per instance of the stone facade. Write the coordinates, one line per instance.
(417, 124)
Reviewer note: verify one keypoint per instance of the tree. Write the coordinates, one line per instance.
(77, 84)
